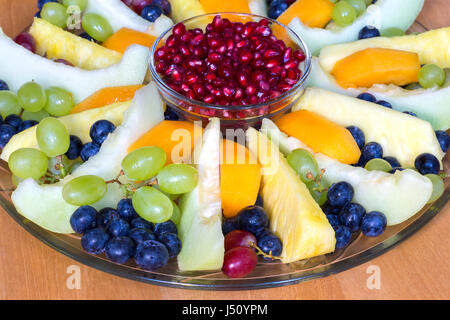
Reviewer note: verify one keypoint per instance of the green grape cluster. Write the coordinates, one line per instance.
(345, 12)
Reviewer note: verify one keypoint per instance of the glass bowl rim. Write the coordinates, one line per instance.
(305, 74)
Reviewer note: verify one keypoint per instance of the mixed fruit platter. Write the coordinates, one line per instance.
(94, 150)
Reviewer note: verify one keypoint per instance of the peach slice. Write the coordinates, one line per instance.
(125, 37)
(321, 135)
(377, 66)
(107, 96)
(240, 178)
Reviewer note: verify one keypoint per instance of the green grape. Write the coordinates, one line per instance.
(55, 13)
(144, 163)
(392, 32)
(84, 190)
(358, 5)
(343, 14)
(177, 178)
(38, 116)
(28, 163)
(176, 214)
(32, 97)
(59, 102)
(431, 75)
(52, 137)
(9, 104)
(368, 2)
(438, 186)
(172, 197)
(15, 180)
(96, 26)
(378, 164)
(152, 205)
(82, 4)
(303, 162)
(318, 192)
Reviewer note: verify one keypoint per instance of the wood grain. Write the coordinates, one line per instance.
(416, 269)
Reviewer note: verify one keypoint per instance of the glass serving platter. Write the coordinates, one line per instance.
(265, 275)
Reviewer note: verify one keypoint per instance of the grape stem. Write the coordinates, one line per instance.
(262, 253)
(61, 167)
(317, 180)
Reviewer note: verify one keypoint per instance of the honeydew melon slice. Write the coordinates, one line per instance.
(19, 65)
(201, 220)
(382, 15)
(77, 124)
(119, 16)
(399, 196)
(44, 205)
(402, 136)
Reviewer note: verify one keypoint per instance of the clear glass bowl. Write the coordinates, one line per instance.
(233, 116)
(265, 275)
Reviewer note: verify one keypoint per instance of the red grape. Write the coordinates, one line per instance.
(128, 2)
(26, 40)
(138, 5)
(238, 262)
(239, 238)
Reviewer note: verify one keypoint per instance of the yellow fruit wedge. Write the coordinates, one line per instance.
(56, 43)
(77, 124)
(294, 215)
(431, 46)
(184, 9)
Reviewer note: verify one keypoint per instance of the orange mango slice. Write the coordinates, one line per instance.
(321, 135)
(240, 178)
(211, 6)
(377, 66)
(106, 96)
(176, 138)
(312, 13)
(125, 37)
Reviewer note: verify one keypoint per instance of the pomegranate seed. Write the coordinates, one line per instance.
(287, 55)
(271, 53)
(191, 79)
(214, 57)
(197, 40)
(291, 64)
(217, 23)
(171, 41)
(238, 93)
(264, 22)
(208, 99)
(184, 51)
(299, 55)
(238, 27)
(250, 90)
(243, 79)
(179, 29)
(264, 85)
(243, 43)
(160, 67)
(258, 75)
(199, 90)
(210, 77)
(272, 63)
(263, 31)
(246, 56)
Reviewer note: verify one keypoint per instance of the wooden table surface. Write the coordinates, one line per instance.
(419, 268)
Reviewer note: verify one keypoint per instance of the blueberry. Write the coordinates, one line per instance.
(367, 97)
(358, 135)
(396, 169)
(165, 227)
(151, 13)
(6, 133)
(138, 222)
(444, 139)
(84, 219)
(74, 148)
(351, 216)
(171, 115)
(100, 131)
(373, 224)
(340, 194)
(86, 36)
(262, 232)
(140, 235)
(333, 220)
(392, 161)
(126, 210)
(90, 149)
(370, 151)
(410, 113)
(172, 243)
(151, 255)
(253, 218)
(269, 243)
(229, 225)
(38, 14)
(14, 121)
(329, 209)
(41, 3)
(368, 32)
(27, 124)
(3, 85)
(118, 228)
(427, 163)
(343, 236)
(107, 215)
(276, 8)
(164, 5)
(94, 240)
(384, 104)
(259, 201)
(120, 249)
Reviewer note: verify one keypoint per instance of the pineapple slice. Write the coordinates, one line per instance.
(201, 220)
(184, 9)
(399, 196)
(44, 204)
(77, 124)
(401, 136)
(55, 43)
(294, 215)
